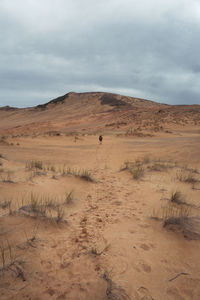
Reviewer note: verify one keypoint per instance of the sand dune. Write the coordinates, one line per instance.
(80, 220)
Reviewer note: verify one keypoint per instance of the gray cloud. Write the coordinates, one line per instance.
(148, 49)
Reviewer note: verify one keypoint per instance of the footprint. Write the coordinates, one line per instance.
(144, 294)
(145, 247)
(145, 267)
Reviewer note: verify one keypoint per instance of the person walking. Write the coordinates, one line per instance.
(100, 139)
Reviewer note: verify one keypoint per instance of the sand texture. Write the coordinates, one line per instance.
(83, 220)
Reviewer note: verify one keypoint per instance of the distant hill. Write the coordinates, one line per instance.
(95, 111)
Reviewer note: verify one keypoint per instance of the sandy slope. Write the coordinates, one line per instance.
(110, 247)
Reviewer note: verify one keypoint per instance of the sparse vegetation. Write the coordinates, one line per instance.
(6, 176)
(60, 214)
(9, 262)
(69, 197)
(96, 251)
(137, 173)
(135, 168)
(46, 207)
(171, 211)
(187, 177)
(177, 197)
(6, 204)
(81, 173)
(34, 164)
(114, 291)
(190, 226)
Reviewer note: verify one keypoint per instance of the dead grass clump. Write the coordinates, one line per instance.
(137, 172)
(159, 165)
(30, 241)
(69, 197)
(171, 211)
(97, 251)
(146, 159)
(81, 173)
(127, 165)
(135, 168)
(59, 214)
(86, 175)
(9, 261)
(6, 176)
(45, 207)
(114, 291)
(190, 226)
(6, 204)
(177, 197)
(34, 164)
(184, 176)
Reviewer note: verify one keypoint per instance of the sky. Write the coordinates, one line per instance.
(147, 49)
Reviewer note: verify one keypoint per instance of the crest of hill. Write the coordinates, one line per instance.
(113, 100)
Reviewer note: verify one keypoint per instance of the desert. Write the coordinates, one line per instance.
(118, 220)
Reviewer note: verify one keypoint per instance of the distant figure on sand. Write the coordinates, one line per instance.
(100, 139)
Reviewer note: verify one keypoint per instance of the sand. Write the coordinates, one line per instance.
(82, 220)
(110, 243)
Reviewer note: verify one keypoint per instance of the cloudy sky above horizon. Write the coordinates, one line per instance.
(148, 49)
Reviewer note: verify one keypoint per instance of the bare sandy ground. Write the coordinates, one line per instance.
(106, 239)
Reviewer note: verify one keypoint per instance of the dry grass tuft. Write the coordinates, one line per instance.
(46, 207)
(9, 261)
(135, 168)
(188, 177)
(177, 197)
(80, 173)
(190, 226)
(114, 291)
(34, 164)
(69, 197)
(137, 172)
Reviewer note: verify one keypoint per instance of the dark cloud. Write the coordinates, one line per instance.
(148, 49)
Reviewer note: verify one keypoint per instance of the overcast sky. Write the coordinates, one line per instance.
(148, 49)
